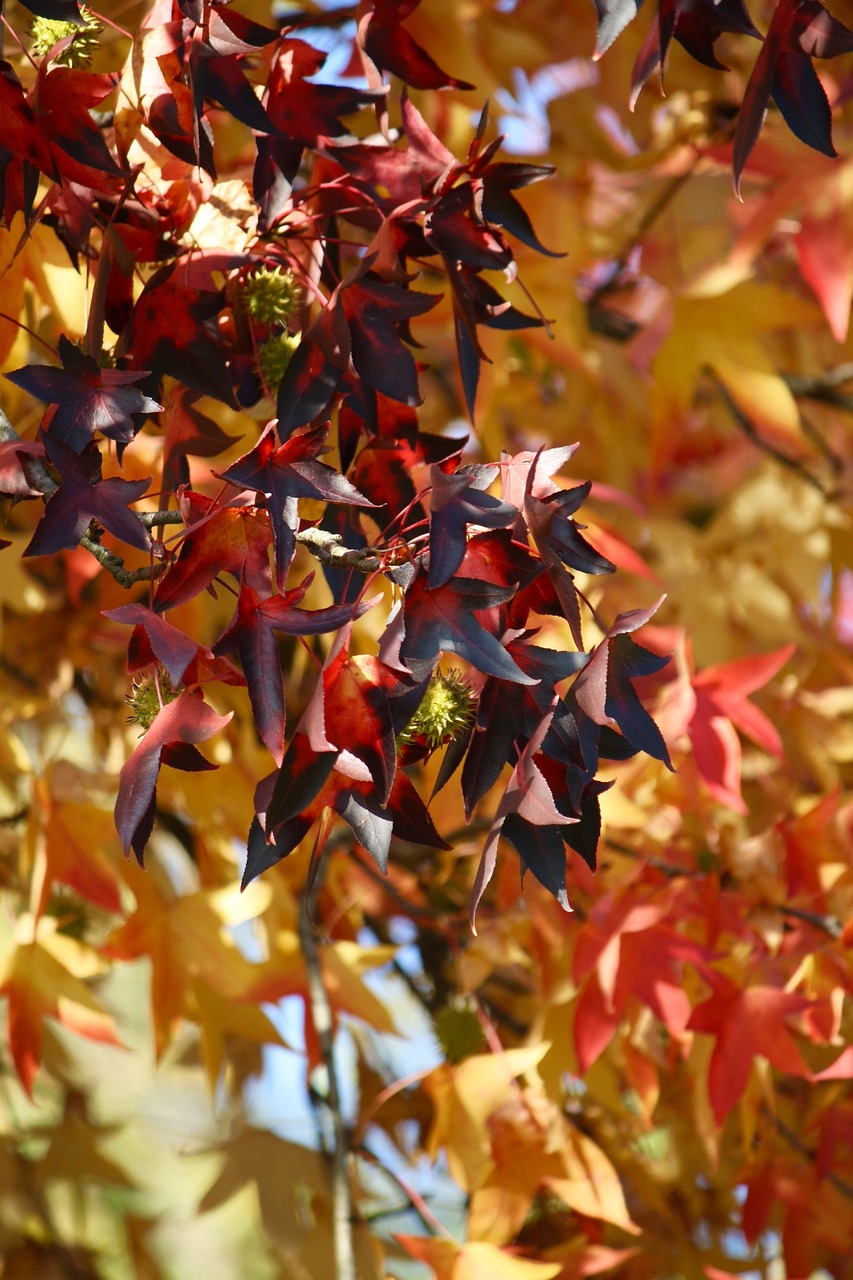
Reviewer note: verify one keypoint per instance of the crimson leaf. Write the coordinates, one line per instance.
(458, 500)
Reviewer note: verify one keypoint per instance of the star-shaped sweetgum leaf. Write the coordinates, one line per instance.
(170, 740)
(63, 99)
(559, 542)
(220, 539)
(378, 314)
(799, 31)
(283, 475)
(82, 497)
(457, 500)
(86, 397)
(529, 800)
(603, 689)
(445, 621)
(188, 431)
(172, 331)
(251, 634)
(308, 783)
(389, 47)
(508, 712)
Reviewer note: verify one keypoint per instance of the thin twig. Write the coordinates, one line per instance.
(321, 1016)
(749, 430)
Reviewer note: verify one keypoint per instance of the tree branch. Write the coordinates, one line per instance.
(321, 1016)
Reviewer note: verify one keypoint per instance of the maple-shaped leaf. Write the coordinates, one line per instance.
(390, 47)
(628, 949)
(82, 497)
(86, 397)
(219, 539)
(251, 633)
(62, 99)
(457, 500)
(746, 1022)
(445, 620)
(188, 432)
(604, 691)
(799, 31)
(722, 698)
(529, 802)
(696, 27)
(169, 740)
(310, 782)
(171, 331)
(559, 542)
(286, 473)
(378, 314)
(38, 985)
(172, 648)
(508, 712)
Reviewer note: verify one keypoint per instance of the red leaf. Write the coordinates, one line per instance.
(171, 331)
(745, 1023)
(227, 539)
(252, 634)
(178, 725)
(457, 500)
(172, 648)
(390, 47)
(799, 30)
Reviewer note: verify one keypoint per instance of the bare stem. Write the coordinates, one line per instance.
(338, 1153)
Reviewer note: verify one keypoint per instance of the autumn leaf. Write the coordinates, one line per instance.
(83, 496)
(170, 740)
(86, 398)
(219, 539)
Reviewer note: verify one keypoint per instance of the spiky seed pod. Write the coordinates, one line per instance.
(458, 1031)
(144, 700)
(270, 295)
(274, 356)
(447, 709)
(46, 32)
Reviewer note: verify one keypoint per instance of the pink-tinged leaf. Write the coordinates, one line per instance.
(179, 725)
(83, 497)
(840, 1069)
(171, 647)
(825, 248)
(613, 18)
(13, 456)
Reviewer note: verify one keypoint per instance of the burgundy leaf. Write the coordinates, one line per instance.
(83, 497)
(185, 721)
(390, 47)
(445, 621)
(286, 473)
(172, 647)
(87, 398)
(457, 500)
